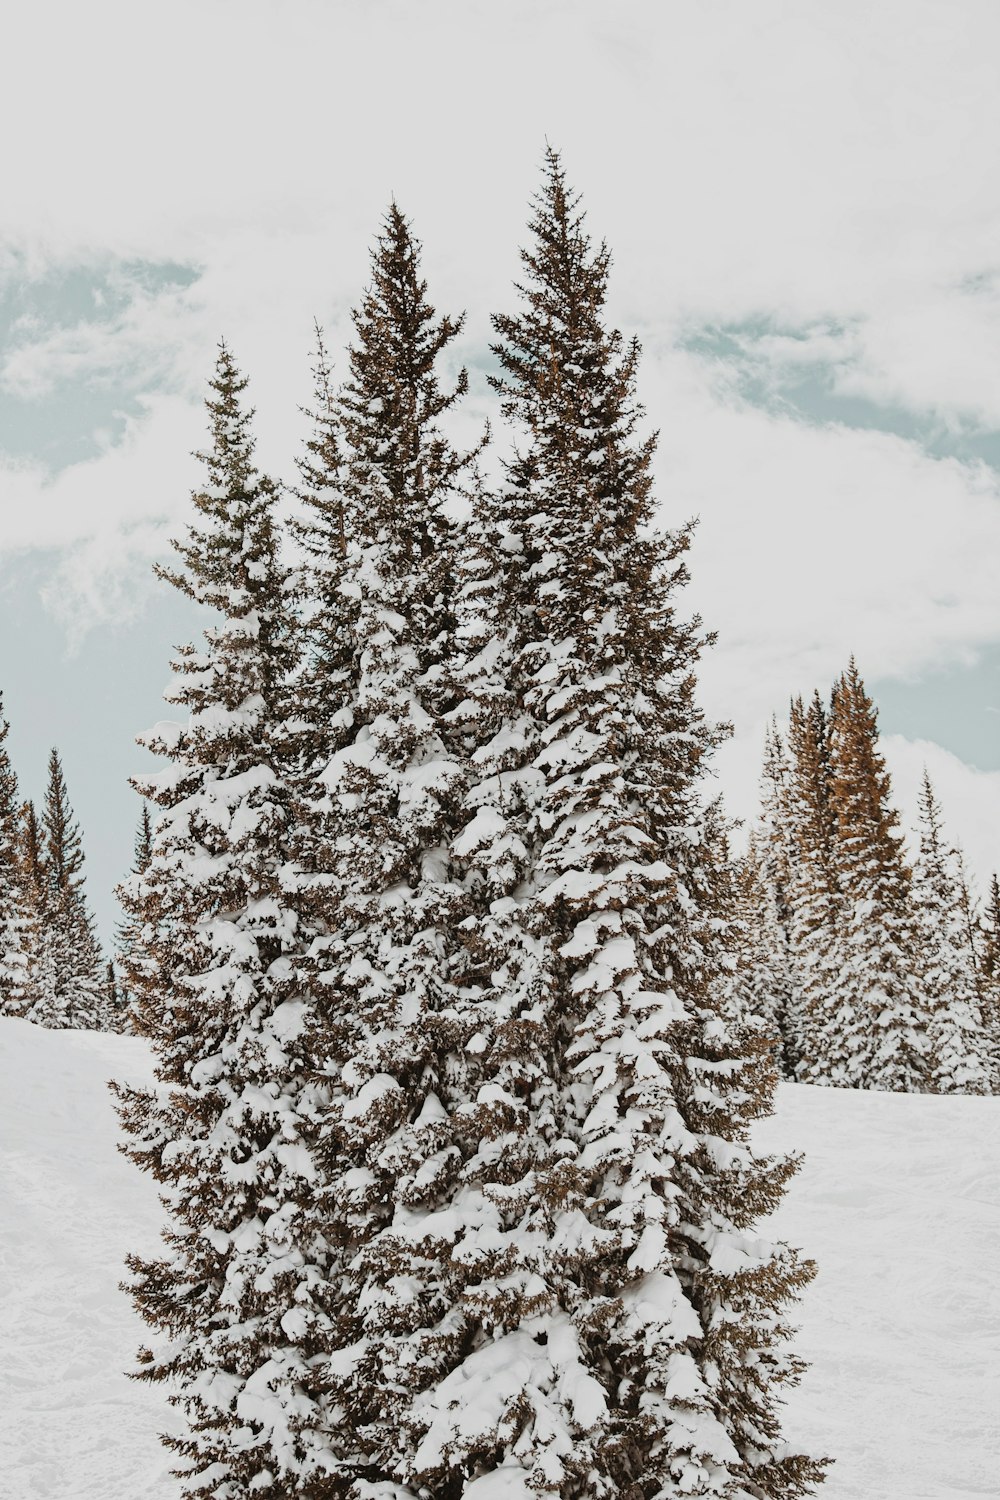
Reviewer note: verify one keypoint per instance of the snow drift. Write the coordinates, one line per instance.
(898, 1201)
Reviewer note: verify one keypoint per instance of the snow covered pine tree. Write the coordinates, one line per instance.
(69, 980)
(880, 1007)
(228, 1129)
(820, 1032)
(642, 1357)
(15, 895)
(960, 1049)
(128, 950)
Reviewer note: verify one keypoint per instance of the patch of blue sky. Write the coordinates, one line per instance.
(807, 389)
(957, 707)
(89, 701)
(73, 418)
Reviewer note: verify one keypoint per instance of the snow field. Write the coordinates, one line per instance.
(73, 1427)
(898, 1201)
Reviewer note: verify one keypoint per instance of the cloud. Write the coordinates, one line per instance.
(826, 174)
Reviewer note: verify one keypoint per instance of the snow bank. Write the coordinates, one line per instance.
(73, 1427)
(898, 1201)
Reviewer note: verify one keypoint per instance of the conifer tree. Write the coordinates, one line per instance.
(229, 1130)
(958, 1045)
(880, 1008)
(621, 1333)
(989, 977)
(69, 969)
(819, 1029)
(15, 894)
(398, 1028)
(41, 957)
(767, 880)
(761, 973)
(326, 686)
(129, 948)
(991, 932)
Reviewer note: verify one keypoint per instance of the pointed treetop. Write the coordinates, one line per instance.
(63, 843)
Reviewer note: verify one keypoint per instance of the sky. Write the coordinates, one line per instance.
(803, 207)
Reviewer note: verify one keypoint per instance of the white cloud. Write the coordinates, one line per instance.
(828, 171)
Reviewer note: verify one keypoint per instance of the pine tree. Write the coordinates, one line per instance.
(15, 894)
(402, 1039)
(820, 1031)
(621, 1334)
(128, 938)
(767, 881)
(958, 1046)
(761, 988)
(325, 689)
(69, 969)
(989, 977)
(240, 1296)
(880, 1007)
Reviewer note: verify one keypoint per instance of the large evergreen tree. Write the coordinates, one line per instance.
(239, 1296)
(16, 926)
(959, 1048)
(379, 480)
(623, 1335)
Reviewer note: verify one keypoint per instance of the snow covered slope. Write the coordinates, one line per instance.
(72, 1426)
(899, 1202)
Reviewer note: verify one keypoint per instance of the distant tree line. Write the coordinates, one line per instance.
(869, 972)
(52, 970)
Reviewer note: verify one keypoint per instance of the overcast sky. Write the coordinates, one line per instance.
(803, 203)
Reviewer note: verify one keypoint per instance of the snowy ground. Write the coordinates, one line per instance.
(899, 1202)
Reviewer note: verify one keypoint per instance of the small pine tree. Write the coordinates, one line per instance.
(329, 669)
(879, 1001)
(769, 873)
(958, 1046)
(71, 981)
(762, 976)
(229, 1129)
(820, 1034)
(128, 944)
(16, 926)
(41, 961)
(989, 976)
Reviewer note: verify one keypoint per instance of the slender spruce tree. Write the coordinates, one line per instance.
(761, 973)
(16, 925)
(767, 881)
(880, 1004)
(820, 1031)
(321, 585)
(989, 976)
(958, 1044)
(628, 1334)
(70, 976)
(239, 1298)
(128, 945)
(378, 872)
